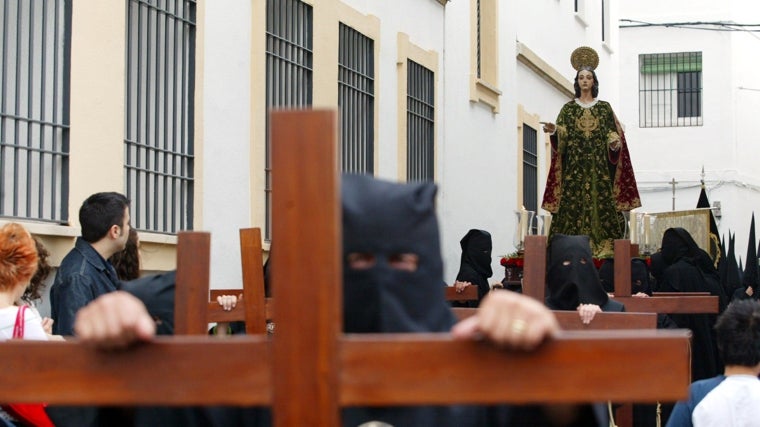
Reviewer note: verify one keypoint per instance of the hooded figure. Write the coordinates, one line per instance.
(572, 276)
(733, 278)
(393, 229)
(750, 278)
(639, 276)
(687, 268)
(694, 272)
(573, 280)
(475, 264)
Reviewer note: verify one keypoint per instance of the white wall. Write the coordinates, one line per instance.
(726, 143)
(226, 134)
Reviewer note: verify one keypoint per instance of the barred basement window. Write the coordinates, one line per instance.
(34, 109)
(670, 89)
(289, 66)
(356, 100)
(160, 113)
(420, 131)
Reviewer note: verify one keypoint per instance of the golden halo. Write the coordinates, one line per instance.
(584, 57)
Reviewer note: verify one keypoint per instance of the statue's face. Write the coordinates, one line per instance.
(585, 80)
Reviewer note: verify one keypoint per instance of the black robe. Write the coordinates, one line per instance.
(572, 280)
(475, 263)
(384, 219)
(687, 268)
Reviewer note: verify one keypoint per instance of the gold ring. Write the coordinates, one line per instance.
(519, 326)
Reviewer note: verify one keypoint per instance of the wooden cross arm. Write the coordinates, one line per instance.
(570, 320)
(217, 314)
(673, 304)
(470, 293)
(573, 367)
(680, 294)
(169, 371)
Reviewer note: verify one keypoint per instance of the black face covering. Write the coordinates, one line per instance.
(476, 251)
(572, 276)
(677, 243)
(384, 220)
(639, 276)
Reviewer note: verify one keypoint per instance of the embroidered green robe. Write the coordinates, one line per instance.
(589, 185)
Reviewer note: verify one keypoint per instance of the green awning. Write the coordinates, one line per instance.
(670, 62)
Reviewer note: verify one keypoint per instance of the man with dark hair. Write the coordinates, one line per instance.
(734, 397)
(84, 273)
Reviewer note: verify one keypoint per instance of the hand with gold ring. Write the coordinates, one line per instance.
(509, 319)
(519, 326)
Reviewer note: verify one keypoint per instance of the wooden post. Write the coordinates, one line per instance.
(253, 281)
(192, 286)
(534, 272)
(307, 274)
(622, 269)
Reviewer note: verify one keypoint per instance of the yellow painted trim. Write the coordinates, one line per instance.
(544, 70)
(198, 141)
(97, 100)
(407, 50)
(485, 88)
(369, 26)
(257, 173)
(524, 119)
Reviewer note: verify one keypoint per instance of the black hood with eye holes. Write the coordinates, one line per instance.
(572, 277)
(384, 219)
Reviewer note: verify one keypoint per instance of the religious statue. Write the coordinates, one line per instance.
(591, 181)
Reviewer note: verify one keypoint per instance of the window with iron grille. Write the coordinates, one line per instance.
(34, 109)
(530, 170)
(289, 66)
(160, 115)
(356, 100)
(420, 123)
(670, 89)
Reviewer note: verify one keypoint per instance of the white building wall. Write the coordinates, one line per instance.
(722, 145)
(476, 169)
(477, 149)
(226, 138)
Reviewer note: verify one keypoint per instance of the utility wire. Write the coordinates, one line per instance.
(696, 25)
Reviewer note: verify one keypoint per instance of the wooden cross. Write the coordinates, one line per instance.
(534, 283)
(308, 370)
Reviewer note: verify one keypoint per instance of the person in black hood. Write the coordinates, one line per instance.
(687, 268)
(751, 278)
(640, 286)
(392, 275)
(573, 285)
(392, 283)
(475, 264)
(573, 280)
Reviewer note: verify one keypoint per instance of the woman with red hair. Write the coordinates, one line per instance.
(18, 263)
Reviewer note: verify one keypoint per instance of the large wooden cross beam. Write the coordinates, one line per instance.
(308, 370)
(534, 283)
